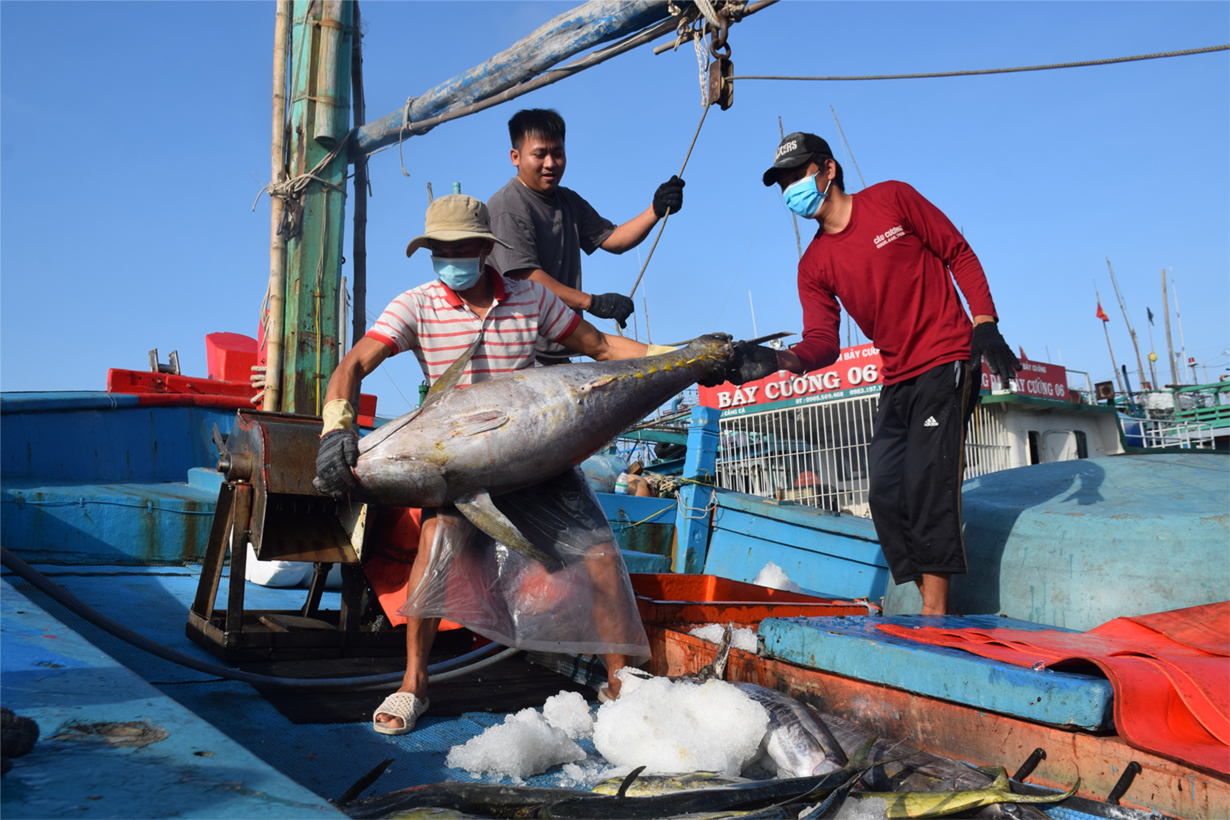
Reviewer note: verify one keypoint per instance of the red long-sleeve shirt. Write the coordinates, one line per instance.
(890, 269)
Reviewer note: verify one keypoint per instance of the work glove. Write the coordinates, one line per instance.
(335, 462)
(668, 198)
(987, 343)
(751, 362)
(612, 306)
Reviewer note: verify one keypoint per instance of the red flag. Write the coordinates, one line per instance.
(1101, 313)
(1024, 358)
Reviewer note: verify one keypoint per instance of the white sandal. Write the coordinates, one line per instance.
(404, 705)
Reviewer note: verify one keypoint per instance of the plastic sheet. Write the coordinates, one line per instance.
(587, 607)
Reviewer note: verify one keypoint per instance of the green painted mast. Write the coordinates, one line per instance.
(319, 121)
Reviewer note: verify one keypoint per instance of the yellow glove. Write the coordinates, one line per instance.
(658, 350)
(337, 415)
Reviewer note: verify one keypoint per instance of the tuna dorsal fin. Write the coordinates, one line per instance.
(482, 513)
(453, 375)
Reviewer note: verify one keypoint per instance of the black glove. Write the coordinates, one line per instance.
(339, 453)
(751, 362)
(612, 306)
(668, 198)
(986, 342)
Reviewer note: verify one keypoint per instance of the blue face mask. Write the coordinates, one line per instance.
(458, 274)
(803, 198)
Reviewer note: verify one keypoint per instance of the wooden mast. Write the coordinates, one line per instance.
(320, 87)
(277, 243)
(359, 251)
(1140, 367)
(1174, 377)
(1115, 367)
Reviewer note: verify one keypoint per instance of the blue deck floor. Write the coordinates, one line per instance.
(312, 762)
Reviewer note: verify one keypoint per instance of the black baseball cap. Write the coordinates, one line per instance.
(794, 150)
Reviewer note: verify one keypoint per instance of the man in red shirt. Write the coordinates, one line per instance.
(891, 258)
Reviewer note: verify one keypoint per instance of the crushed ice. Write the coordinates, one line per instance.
(569, 712)
(672, 727)
(742, 638)
(774, 577)
(524, 744)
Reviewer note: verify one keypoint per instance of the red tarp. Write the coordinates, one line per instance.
(1171, 673)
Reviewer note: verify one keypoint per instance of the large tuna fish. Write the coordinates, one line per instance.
(513, 431)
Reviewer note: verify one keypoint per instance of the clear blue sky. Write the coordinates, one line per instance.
(136, 135)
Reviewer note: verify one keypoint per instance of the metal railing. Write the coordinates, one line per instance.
(816, 454)
(1190, 435)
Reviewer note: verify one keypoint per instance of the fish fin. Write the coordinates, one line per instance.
(482, 513)
(449, 379)
(475, 423)
(1047, 798)
(628, 781)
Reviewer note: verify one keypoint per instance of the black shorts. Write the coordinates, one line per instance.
(916, 462)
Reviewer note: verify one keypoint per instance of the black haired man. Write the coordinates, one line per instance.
(549, 225)
(886, 253)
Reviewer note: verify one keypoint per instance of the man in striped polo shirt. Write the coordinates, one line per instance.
(438, 321)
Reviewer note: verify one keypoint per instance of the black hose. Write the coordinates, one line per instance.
(447, 670)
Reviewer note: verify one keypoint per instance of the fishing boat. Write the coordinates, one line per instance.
(164, 683)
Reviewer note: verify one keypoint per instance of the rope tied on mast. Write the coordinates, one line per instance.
(291, 191)
(401, 134)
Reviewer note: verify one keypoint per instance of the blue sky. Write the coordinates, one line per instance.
(136, 136)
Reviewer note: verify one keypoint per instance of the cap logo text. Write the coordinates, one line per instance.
(785, 147)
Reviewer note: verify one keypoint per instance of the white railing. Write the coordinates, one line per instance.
(1168, 433)
(816, 454)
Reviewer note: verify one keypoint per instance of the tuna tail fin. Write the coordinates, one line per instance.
(482, 513)
(453, 375)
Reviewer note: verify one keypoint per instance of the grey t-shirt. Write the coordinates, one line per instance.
(548, 234)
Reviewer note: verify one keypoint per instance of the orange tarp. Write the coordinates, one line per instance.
(1171, 673)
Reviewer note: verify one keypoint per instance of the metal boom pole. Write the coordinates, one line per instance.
(1140, 368)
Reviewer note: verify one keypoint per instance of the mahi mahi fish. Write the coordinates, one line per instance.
(463, 446)
(798, 743)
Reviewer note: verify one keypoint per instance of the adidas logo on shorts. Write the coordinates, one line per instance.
(931, 422)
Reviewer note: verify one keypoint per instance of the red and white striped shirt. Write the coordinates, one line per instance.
(432, 321)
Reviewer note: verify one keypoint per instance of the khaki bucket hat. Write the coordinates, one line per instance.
(453, 218)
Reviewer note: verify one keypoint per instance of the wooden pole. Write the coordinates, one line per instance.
(359, 251)
(1140, 367)
(1179, 320)
(320, 108)
(1174, 377)
(1118, 380)
(277, 243)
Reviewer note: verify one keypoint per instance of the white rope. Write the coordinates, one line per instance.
(405, 126)
(698, 43)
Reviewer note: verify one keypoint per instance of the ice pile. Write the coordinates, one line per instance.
(527, 743)
(680, 726)
(569, 711)
(774, 577)
(741, 638)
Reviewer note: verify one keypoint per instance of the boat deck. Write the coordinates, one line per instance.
(228, 751)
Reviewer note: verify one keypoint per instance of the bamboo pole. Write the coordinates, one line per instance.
(1140, 367)
(277, 244)
(359, 252)
(1174, 377)
(330, 116)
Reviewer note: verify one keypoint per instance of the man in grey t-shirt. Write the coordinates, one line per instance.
(548, 225)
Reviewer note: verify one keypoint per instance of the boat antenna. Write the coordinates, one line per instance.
(1174, 377)
(841, 131)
